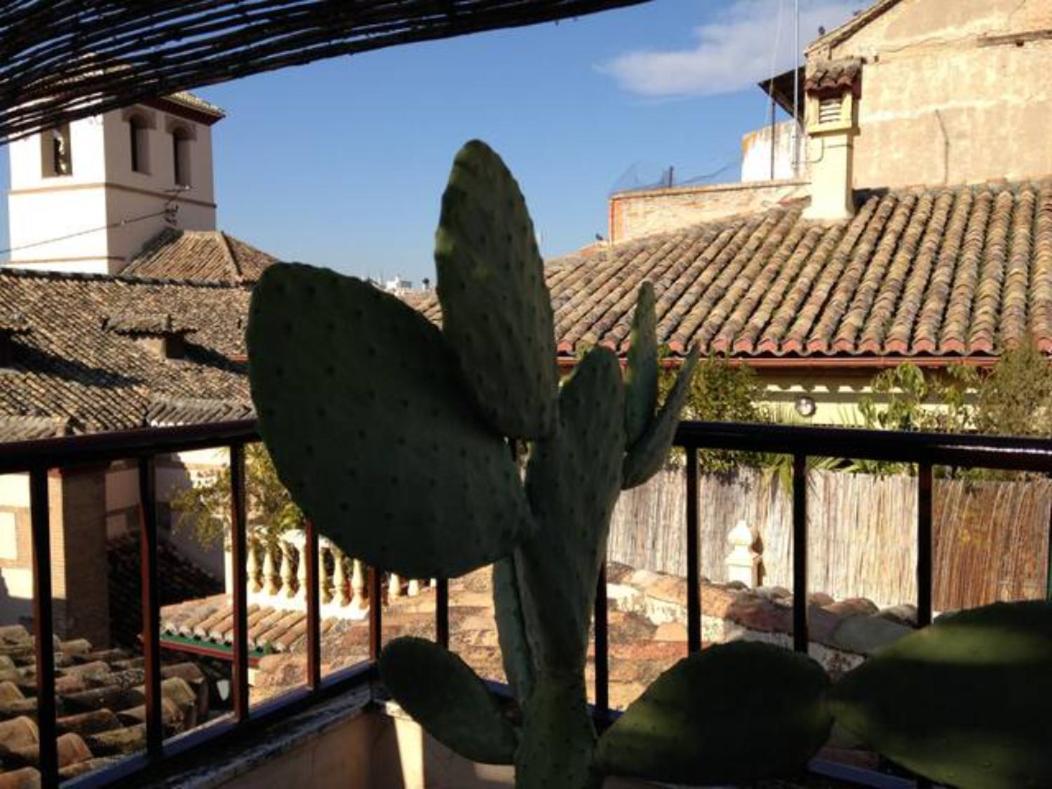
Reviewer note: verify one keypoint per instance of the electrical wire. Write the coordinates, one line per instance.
(169, 212)
(79, 233)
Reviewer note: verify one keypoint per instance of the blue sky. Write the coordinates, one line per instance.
(342, 163)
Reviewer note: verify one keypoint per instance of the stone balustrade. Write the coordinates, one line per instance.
(277, 576)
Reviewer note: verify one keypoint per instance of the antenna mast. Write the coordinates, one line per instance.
(796, 88)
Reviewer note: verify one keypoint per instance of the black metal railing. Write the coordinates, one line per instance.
(39, 458)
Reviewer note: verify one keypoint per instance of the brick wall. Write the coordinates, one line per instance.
(638, 214)
(79, 568)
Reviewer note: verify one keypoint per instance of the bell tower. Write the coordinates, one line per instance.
(87, 195)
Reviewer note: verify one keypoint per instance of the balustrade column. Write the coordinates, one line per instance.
(271, 580)
(358, 584)
(252, 567)
(325, 580)
(301, 569)
(288, 577)
(341, 593)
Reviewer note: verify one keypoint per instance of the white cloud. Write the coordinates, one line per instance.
(734, 51)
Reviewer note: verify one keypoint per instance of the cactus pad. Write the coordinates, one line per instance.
(962, 702)
(730, 714)
(647, 456)
(496, 309)
(572, 481)
(641, 373)
(448, 699)
(365, 416)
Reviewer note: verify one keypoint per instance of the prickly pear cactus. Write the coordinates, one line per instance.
(393, 437)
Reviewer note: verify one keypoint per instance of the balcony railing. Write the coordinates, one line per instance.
(39, 457)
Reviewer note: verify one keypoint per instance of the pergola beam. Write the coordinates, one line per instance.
(68, 59)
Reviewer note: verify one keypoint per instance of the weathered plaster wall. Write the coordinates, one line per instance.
(952, 92)
(638, 214)
(756, 153)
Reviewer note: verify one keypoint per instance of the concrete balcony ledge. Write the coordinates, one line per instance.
(311, 744)
(355, 741)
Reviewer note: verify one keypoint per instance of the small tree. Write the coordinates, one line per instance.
(721, 392)
(203, 509)
(1016, 397)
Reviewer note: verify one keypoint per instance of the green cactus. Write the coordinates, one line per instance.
(964, 701)
(394, 436)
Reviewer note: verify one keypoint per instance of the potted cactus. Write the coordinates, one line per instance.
(394, 436)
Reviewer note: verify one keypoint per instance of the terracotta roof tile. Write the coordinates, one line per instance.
(69, 369)
(201, 256)
(944, 271)
(833, 76)
(100, 704)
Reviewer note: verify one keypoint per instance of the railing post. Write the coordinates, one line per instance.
(239, 548)
(800, 635)
(375, 618)
(309, 558)
(693, 557)
(151, 629)
(601, 646)
(442, 612)
(43, 626)
(924, 545)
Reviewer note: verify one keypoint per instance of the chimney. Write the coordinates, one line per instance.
(832, 90)
(158, 334)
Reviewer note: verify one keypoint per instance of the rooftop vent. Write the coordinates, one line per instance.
(12, 324)
(160, 334)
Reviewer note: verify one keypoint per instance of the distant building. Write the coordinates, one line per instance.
(915, 226)
(122, 307)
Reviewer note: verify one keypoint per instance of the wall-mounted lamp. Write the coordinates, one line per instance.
(805, 406)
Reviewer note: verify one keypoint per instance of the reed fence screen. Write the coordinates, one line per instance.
(991, 537)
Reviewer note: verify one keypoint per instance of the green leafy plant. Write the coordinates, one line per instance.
(395, 437)
(203, 508)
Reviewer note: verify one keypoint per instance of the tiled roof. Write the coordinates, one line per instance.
(100, 701)
(833, 76)
(193, 101)
(959, 271)
(131, 320)
(183, 579)
(68, 369)
(647, 627)
(201, 256)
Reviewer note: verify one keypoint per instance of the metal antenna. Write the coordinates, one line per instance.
(796, 88)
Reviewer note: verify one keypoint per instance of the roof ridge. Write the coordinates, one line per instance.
(128, 279)
(224, 242)
(846, 29)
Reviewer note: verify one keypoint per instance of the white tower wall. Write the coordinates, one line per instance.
(92, 219)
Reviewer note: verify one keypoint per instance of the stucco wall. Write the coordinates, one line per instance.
(756, 153)
(638, 214)
(952, 92)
